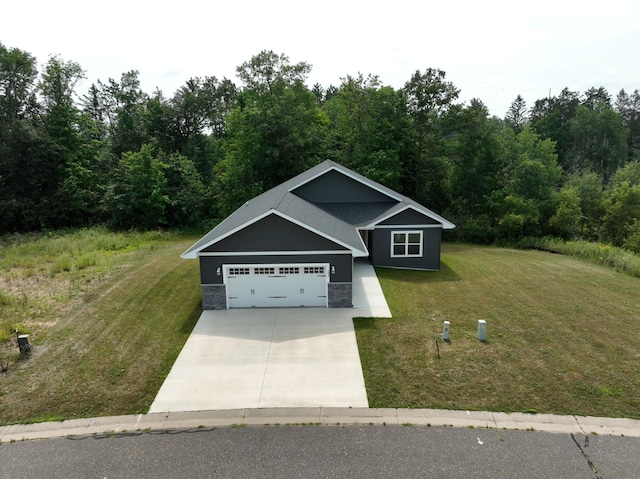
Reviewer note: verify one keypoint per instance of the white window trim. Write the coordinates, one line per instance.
(406, 243)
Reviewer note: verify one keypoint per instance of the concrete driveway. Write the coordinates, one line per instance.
(286, 357)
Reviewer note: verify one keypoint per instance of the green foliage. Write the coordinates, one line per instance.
(632, 239)
(472, 177)
(27, 170)
(86, 260)
(516, 117)
(268, 69)
(235, 182)
(368, 129)
(125, 109)
(629, 173)
(523, 192)
(137, 198)
(122, 157)
(566, 220)
(6, 298)
(531, 164)
(185, 191)
(622, 207)
(430, 106)
(599, 139)
(62, 264)
(628, 107)
(589, 189)
(276, 131)
(18, 71)
(550, 118)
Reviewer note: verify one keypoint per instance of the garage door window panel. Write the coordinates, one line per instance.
(314, 270)
(264, 270)
(288, 270)
(239, 271)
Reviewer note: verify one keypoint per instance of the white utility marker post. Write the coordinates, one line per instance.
(445, 331)
(482, 330)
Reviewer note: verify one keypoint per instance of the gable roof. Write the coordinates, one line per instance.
(336, 222)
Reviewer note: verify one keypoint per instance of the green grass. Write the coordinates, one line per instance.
(620, 259)
(563, 336)
(105, 334)
(43, 276)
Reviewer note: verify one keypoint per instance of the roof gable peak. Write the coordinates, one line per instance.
(372, 191)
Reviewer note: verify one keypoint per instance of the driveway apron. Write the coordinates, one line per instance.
(285, 357)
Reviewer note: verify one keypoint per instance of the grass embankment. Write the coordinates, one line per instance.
(563, 336)
(622, 260)
(107, 326)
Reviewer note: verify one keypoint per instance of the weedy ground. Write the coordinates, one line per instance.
(107, 314)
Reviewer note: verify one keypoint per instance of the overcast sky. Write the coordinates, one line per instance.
(490, 49)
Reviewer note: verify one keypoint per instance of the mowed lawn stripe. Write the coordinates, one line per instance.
(110, 355)
(563, 336)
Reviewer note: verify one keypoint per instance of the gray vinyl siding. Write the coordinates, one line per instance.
(334, 187)
(380, 249)
(342, 262)
(409, 217)
(273, 233)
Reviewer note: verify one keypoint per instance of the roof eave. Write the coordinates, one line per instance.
(445, 224)
(193, 253)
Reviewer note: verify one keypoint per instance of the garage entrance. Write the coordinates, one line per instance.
(276, 285)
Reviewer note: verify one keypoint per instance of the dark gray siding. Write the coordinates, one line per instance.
(380, 249)
(210, 264)
(409, 217)
(334, 187)
(273, 233)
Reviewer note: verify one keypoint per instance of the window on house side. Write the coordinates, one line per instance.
(406, 244)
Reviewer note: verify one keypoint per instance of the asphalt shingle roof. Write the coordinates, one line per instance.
(358, 214)
(336, 221)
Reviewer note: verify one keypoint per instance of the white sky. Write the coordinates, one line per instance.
(490, 49)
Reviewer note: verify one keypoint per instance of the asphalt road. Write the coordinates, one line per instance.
(325, 452)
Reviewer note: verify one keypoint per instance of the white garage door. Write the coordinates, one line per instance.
(276, 285)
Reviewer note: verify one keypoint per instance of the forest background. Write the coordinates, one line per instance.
(115, 155)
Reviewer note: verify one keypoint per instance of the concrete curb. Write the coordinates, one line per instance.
(321, 416)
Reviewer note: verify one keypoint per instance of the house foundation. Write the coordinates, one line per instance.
(214, 296)
(340, 295)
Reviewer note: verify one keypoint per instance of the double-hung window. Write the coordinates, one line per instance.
(406, 244)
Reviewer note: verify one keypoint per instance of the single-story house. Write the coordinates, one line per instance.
(294, 245)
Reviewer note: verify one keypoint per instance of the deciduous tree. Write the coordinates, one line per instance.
(138, 196)
(430, 99)
(22, 144)
(368, 130)
(276, 131)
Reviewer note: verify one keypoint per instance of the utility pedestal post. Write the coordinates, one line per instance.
(482, 330)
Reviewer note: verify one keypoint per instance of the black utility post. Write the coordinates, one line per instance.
(24, 343)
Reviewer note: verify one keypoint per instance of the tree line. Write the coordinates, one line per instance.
(569, 166)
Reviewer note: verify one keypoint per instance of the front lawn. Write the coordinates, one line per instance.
(106, 331)
(563, 336)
